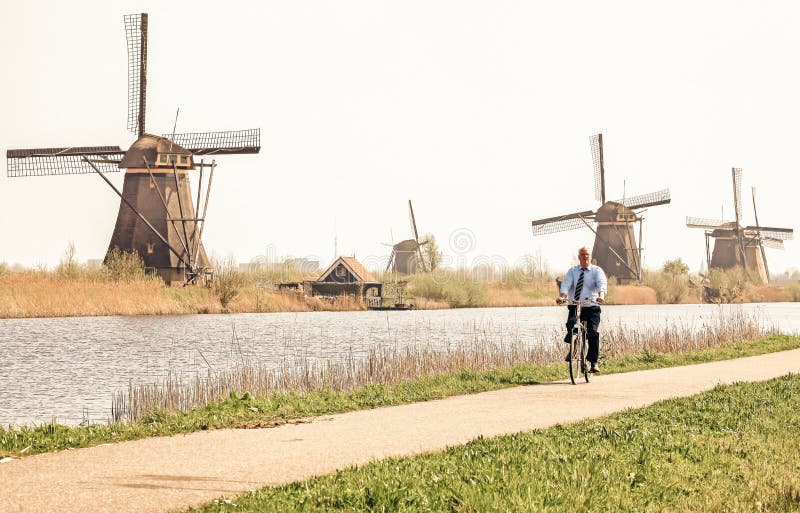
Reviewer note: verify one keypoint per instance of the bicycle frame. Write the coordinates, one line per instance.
(579, 345)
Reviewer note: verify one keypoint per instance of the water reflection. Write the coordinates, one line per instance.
(68, 368)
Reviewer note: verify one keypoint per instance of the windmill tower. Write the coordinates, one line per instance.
(157, 217)
(615, 248)
(407, 255)
(740, 246)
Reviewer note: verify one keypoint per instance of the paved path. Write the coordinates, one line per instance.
(162, 474)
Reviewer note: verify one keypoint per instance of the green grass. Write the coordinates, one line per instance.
(281, 407)
(733, 449)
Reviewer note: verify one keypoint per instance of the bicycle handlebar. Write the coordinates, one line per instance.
(571, 302)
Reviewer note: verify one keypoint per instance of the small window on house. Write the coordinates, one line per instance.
(149, 249)
(152, 184)
(184, 159)
(173, 159)
(162, 159)
(341, 271)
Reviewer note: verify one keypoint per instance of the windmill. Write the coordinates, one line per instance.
(615, 248)
(740, 246)
(407, 254)
(157, 217)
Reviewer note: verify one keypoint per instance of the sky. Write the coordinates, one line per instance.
(478, 112)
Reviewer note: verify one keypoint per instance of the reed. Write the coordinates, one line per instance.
(392, 365)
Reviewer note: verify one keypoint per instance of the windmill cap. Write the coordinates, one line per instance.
(149, 147)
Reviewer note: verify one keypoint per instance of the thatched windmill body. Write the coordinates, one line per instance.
(615, 248)
(158, 217)
(735, 245)
(406, 256)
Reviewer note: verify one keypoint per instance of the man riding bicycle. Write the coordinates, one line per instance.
(586, 283)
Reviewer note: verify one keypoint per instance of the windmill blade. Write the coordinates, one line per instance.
(755, 212)
(709, 224)
(769, 242)
(562, 223)
(413, 222)
(235, 142)
(136, 36)
(737, 193)
(771, 232)
(596, 145)
(652, 199)
(391, 261)
(62, 161)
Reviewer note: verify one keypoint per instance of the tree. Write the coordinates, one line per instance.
(431, 255)
(675, 267)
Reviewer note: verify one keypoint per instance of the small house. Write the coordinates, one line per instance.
(346, 277)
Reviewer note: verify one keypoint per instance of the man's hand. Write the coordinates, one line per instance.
(601, 300)
(561, 300)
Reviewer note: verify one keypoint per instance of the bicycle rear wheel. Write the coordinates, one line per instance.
(575, 357)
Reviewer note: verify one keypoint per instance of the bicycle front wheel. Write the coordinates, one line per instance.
(574, 360)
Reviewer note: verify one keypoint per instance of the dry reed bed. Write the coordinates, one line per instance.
(394, 365)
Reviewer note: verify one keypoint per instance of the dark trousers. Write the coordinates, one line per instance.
(591, 316)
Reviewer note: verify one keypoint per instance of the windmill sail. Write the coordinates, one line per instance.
(62, 161)
(416, 236)
(136, 36)
(219, 143)
(737, 193)
(771, 232)
(596, 144)
(563, 223)
(709, 224)
(652, 199)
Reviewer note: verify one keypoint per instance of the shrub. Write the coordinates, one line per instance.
(68, 265)
(671, 283)
(124, 266)
(457, 289)
(228, 281)
(726, 285)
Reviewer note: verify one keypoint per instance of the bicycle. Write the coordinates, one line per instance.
(578, 346)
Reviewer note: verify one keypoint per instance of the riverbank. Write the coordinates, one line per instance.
(692, 447)
(246, 408)
(50, 294)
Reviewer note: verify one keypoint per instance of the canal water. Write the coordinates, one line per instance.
(67, 369)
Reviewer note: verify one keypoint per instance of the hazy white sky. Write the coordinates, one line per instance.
(479, 112)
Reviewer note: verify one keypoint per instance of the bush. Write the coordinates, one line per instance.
(671, 283)
(726, 285)
(793, 291)
(228, 281)
(68, 265)
(457, 289)
(124, 266)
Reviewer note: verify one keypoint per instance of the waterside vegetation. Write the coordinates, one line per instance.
(121, 287)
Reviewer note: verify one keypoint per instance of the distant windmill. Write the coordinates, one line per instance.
(615, 248)
(740, 246)
(157, 218)
(407, 255)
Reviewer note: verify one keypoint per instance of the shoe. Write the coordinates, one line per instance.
(567, 338)
(568, 357)
(594, 368)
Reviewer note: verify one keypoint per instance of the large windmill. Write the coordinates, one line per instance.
(740, 246)
(615, 248)
(157, 217)
(407, 255)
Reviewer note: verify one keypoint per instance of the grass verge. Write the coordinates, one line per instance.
(278, 408)
(731, 449)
